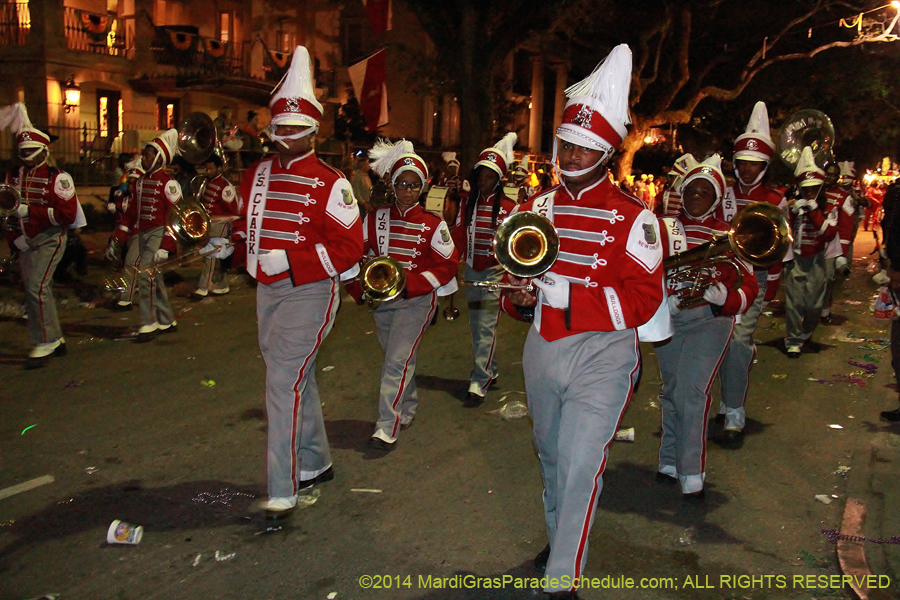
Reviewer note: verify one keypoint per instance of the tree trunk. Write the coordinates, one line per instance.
(634, 141)
(474, 82)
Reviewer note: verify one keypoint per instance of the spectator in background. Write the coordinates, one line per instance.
(362, 184)
(875, 194)
(223, 122)
(250, 133)
(183, 172)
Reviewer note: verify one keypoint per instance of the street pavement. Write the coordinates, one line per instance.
(170, 435)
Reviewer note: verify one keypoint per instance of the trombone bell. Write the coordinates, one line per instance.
(382, 278)
(526, 244)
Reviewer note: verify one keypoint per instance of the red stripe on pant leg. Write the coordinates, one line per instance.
(592, 506)
(709, 384)
(749, 368)
(134, 273)
(47, 272)
(412, 353)
(485, 387)
(296, 387)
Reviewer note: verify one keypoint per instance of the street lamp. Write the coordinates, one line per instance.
(72, 94)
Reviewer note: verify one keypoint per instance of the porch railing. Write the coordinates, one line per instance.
(15, 23)
(99, 34)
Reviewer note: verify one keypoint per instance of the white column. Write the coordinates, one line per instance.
(537, 105)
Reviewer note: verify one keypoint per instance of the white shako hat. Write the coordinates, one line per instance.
(710, 170)
(597, 110)
(499, 156)
(808, 172)
(682, 165)
(15, 118)
(294, 103)
(522, 167)
(450, 158)
(847, 169)
(756, 142)
(396, 158)
(166, 145)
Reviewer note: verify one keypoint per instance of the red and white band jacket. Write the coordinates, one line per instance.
(307, 209)
(734, 200)
(419, 240)
(50, 196)
(814, 229)
(475, 240)
(846, 213)
(683, 233)
(456, 182)
(152, 196)
(220, 198)
(611, 254)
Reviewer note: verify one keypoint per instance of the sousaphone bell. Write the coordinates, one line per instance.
(807, 127)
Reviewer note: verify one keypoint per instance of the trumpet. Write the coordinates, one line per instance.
(759, 235)
(526, 245)
(10, 199)
(383, 278)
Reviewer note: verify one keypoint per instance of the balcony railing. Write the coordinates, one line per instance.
(15, 23)
(195, 55)
(99, 34)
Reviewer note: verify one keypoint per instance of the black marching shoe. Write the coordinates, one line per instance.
(473, 400)
(326, 475)
(540, 561)
(891, 416)
(379, 444)
(667, 479)
(732, 436)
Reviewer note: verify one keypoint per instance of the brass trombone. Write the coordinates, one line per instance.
(383, 278)
(759, 235)
(526, 245)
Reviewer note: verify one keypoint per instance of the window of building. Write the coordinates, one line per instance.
(168, 113)
(225, 27)
(109, 113)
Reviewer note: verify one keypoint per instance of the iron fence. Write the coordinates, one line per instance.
(99, 34)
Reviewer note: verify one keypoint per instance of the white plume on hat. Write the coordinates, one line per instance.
(806, 167)
(606, 89)
(384, 156)
(167, 145)
(449, 157)
(504, 149)
(15, 118)
(297, 83)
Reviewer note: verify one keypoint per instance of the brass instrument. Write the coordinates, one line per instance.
(451, 313)
(10, 199)
(759, 235)
(806, 128)
(198, 186)
(383, 278)
(526, 245)
(119, 284)
(198, 139)
(189, 222)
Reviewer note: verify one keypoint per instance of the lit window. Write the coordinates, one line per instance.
(225, 27)
(103, 117)
(170, 116)
(121, 118)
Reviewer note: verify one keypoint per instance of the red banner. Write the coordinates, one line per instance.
(379, 14)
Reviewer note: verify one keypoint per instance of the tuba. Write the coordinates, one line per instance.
(382, 278)
(198, 139)
(526, 245)
(810, 128)
(759, 235)
(10, 198)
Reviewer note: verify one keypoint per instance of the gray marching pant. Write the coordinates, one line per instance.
(804, 292)
(154, 300)
(578, 388)
(212, 275)
(688, 362)
(293, 322)
(132, 264)
(484, 313)
(734, 373)
(830, 272)
(400, 325)
(38, 265)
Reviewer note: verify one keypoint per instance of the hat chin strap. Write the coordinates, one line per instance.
(34, 154)
(283, 139)
(580, 172)
(759, 177)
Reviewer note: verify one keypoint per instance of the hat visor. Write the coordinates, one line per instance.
(751, 156)
(32, 144)
(297, 120)
(583, 138)
(810, 183)
(490, 165)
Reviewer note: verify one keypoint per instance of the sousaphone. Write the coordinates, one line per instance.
(804, 128)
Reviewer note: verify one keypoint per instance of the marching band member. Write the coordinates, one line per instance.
(481, 212)
(420, 241)
(814, 221)
(752, 151)
(153, 194)
(221, 201)
(837, 252)
(48, 207)
(581, 359)
(122, 199)
(457, 185)
(301, 230)
(689, 361)
(672, 197)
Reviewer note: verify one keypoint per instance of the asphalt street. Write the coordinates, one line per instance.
(170, 435)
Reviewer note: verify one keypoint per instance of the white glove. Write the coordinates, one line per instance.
(840, 263)
(111, 207)
(22, 211)
(716, 294)
(223, 251)
(555, 289)
(674, 309)
(803, 206)
(832, 219)
(274, 262)
(21, 243)
(161, 255)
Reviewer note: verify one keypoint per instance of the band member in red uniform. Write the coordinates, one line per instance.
(153, 195)
(838, 251)
(38, 230)
(481, 212)
(119, 206)
(221, 202)
(457, 185)
(300, 231)
(672, 196)
(420, 241)
(582, 358)
(814, 222)
(752, 151)
(689, 361)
